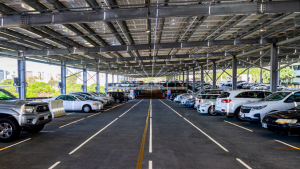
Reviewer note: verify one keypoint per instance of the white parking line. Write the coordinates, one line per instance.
(71, 123)
(82, 144)
(238, 126)
(14, 144)
(286, 144)
(54, 165)
(244, 164)
(150, 165)
(198, 129)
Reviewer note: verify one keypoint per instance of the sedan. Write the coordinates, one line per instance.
(285, 122)
(77, 103)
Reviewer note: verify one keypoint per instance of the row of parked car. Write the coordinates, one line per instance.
(277, 111)
(25, 115)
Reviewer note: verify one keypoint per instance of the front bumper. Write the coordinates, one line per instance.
(30, 120)
(284, 128)
(251, 119)
(189, 104)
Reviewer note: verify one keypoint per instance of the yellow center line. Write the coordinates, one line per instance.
(141, 155)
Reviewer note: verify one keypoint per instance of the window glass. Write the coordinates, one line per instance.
(4, 95)
(251, 94)
(268, 94)
(70, 98)
(295, 97)
(80, 98)
(224, 95)
(63, 97)
(277, 96)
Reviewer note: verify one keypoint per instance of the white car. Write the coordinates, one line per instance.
(126, 84)
(230, 102)
(102, 98)
(207, 104)
(203, 98)
(130, 96)
(283, 100)
(73, 102)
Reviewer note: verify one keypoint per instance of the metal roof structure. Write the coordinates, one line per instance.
(142, 38)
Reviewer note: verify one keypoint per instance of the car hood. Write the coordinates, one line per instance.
(288, 114)
(21, 102)
(259, 103)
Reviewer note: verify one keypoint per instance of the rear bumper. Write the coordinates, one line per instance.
(224, 113)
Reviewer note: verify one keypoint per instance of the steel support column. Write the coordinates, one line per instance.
(273, 69)
(183, 77)
(98, 82)
(84, 86)
(260, 75)
(187, 80)
(214, 75)
(106, 83)
(193, 80)
(118, 79)
(247, 75)
(234, 72)
(63, 74)
(202, 78)
(22, 77)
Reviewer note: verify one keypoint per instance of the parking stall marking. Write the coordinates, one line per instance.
(82, 144)
(198, 129)
(238, 126)
(292, 147)
(89, 116)
(14, 144)
(150, 164)
(244, 164)
(54, 165)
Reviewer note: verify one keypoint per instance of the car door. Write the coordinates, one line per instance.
(292, 101)
(65, 103)
(77, 103)
(70, 100)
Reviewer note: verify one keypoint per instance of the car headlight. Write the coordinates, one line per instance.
(286, 121)
(27, 109)
(259, 107)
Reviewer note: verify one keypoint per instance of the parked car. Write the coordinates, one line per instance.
(72, 102)
(96, 94)
(230, 102)
(17, 115)
(118, 96)
(226, 86)
(279, 101)
(190, 102)
(126, 84)
(97, 97)
(285, 122)
(129, 96)
(207, 104)
(171, 84)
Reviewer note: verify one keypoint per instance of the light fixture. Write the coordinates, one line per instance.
(147, 31)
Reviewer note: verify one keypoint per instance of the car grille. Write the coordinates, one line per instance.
(245, 110)
(270, 119)
(42, 108)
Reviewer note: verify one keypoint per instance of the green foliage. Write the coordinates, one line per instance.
(266, 76)
(7, 82)
(287, 74)
(91, 88)
(12, 90)
(39, 89)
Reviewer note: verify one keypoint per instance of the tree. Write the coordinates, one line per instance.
(91, 88)
(7, 82)
(52, 82)
(287, 74)
(39, 89)
(72, 86)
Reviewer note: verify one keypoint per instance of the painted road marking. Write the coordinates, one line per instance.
(54, 165)
(14, 144)
(150, 132)
(82, 144)
(244, 164)
(150, 165)
(293, 147)
(238, 126)
(71, 123)
(198, 129)
(141, 154)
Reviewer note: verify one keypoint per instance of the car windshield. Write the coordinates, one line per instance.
(277, 96)
(81, 98)
(102, 94)
(4, 95)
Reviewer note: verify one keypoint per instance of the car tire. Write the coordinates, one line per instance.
(35, 129)
(237, 114)
(118, 101)
(12, 130)
(211, 111)
(86, 108)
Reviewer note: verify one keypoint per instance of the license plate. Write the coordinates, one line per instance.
(264, 125)
(45, 117)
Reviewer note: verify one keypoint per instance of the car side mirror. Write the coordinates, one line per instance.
(289, 101)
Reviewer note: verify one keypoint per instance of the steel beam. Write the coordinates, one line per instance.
(234, 72)
(98, 82)
(193, 80)
(260, 75)
(63, 74)
(273, 68)
(22, 77)
(87, 50)
(202, 78)
(155, 12)
(214, 79)
(106, 83)
(187, 80)
(84, 86)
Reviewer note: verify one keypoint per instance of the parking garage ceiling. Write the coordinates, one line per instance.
(142, 38)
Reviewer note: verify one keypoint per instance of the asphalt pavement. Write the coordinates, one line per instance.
(176, 138)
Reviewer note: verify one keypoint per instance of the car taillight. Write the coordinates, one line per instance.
(180, 97)
(225, 101)
(199, 101)
(123, 96)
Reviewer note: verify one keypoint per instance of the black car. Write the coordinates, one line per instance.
(284, 122)
(171, 84)
(118, 96)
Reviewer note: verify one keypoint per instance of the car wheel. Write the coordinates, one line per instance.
(237, 114)
(9, 130)
(118, 101)
(211, 111)
(87, 108)
(35, 129)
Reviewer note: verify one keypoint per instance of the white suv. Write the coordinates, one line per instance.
(230, 102)
(255, 112)
(207, 104)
